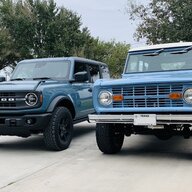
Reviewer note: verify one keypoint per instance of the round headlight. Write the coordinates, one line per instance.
(31, 99)
(188, 96)
(105, 98)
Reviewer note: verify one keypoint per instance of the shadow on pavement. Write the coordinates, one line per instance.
(82, 129)
(16, 143)
(36, 142)
(151, 147)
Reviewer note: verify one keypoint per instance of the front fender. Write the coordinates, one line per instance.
(57, 100)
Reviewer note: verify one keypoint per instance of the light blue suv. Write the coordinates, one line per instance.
(48, 96)
(154, 96)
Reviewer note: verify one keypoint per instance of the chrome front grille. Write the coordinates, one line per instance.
(138, 96)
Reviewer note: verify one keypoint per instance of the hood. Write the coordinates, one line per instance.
(25, 85)
(19, 85)
(153, 77)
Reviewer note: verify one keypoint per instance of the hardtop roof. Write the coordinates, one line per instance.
(78, 59)
(161, 46)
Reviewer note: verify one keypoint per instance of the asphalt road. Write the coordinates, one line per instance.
(145, 164)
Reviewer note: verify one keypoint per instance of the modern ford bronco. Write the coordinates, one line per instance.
(153, 97)
(48, 96)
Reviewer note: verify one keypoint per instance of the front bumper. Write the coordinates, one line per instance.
(23, 125)
(161, 119)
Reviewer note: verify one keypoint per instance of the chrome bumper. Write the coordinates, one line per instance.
(129, 119)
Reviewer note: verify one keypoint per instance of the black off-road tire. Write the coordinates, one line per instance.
(59, 133)
(109, 138)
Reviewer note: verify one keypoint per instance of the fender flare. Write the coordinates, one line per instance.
(56, 100)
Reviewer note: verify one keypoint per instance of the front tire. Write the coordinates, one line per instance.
(109, 138)
(59, 133)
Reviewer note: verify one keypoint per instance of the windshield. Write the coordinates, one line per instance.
(159, 60)
(42, 69)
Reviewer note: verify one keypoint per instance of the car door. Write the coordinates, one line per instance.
(82, 91)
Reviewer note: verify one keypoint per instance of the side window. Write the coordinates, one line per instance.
(79, 67)
(105, 71)
(94, 72)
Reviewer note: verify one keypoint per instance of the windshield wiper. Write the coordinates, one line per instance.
(41, 78)
(156, 53)
(17, 79)
(186, 50)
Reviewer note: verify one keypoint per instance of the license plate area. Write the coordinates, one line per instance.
(145, 119)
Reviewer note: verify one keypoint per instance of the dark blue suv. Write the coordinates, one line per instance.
(48, 96)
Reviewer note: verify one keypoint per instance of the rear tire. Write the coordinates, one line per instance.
(109, 138)
(59, 133)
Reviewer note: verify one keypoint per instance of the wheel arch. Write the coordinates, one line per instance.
(62, 101)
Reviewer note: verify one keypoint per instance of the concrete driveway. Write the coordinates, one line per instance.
(145, 164)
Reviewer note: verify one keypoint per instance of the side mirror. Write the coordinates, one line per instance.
(81, 76)
(2, 79)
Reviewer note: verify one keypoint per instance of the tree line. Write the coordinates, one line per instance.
(38, 28)
(162, 21)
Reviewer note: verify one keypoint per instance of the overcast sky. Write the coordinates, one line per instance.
(106, 19)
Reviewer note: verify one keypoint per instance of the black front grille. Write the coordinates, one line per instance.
(12, 100)
(138, 96)
(7, 94)
(8, 104)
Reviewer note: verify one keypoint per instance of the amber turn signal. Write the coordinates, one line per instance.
(175, 96)
(117, 97)
(41, 98)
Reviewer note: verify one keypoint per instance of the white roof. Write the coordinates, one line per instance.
(160, 46)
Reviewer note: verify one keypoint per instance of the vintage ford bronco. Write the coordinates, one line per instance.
(154, 97)
(48, 96)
